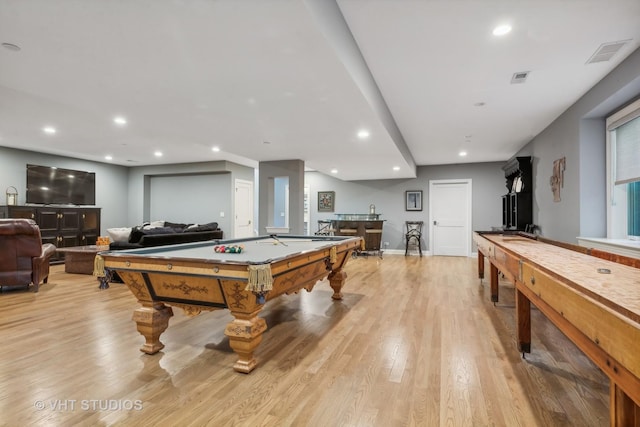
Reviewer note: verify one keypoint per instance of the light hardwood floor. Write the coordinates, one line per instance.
(415, 342)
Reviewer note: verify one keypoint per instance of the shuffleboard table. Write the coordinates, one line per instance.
(593, 300)
(196, 278)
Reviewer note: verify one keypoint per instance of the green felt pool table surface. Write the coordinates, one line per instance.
(257, 250)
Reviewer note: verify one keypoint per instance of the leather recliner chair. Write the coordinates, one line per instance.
(24, 260)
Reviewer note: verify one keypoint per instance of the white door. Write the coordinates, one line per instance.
(450, 217)
(243, 201)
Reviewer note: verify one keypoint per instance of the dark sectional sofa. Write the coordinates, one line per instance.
(154, 234)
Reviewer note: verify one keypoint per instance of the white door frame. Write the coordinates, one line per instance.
(468, 214)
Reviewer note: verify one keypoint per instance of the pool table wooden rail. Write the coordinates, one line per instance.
(599, 312)
(160, 281)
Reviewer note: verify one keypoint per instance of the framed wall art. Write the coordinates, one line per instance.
(326, 201)
(413, 200)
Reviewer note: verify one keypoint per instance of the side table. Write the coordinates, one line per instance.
(80, 260)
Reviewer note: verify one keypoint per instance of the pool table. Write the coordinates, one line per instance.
(194, 277)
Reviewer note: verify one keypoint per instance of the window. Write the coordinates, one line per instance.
(623, 176)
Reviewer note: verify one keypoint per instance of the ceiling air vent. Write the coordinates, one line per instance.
(606, 51)
(519, 77)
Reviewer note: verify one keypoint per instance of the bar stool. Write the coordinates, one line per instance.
(413, 235)
(324, 228)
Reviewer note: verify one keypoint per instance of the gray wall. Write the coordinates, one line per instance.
(111, 181)
(169, 194)
(488, 184)
(294, 171)
(125, 194)
(579, 136)
(222, 173)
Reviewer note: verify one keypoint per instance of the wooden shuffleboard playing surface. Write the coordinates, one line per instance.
(593, 301)
(612, 284)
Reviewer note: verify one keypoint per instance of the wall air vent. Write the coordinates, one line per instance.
(606, 51)
(519, 77)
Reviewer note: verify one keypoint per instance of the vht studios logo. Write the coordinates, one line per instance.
(64, 405)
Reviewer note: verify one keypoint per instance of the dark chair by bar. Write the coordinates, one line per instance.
(24, 260)
(324, 228)
(413, 236)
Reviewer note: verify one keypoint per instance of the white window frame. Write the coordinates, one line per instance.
(617, 195)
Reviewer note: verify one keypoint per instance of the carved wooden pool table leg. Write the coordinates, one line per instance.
(336, 281)
(245, 334)
(152, 320)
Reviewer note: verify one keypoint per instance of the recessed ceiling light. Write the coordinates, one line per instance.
(158, 154)
(462, 153)
(120, 121)
(216, 149)
(49, 129)
(334, 170)
(108, 157)
(12, 47)
(363, 134)
(396, 168)
(501, 30)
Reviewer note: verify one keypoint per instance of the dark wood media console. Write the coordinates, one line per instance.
(63, 226)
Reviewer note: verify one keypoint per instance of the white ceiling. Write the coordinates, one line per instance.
(303, 76)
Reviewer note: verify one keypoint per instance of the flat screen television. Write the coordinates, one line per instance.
(56, 186)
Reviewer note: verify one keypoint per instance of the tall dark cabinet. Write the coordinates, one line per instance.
(517, 204)
(63, 226)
